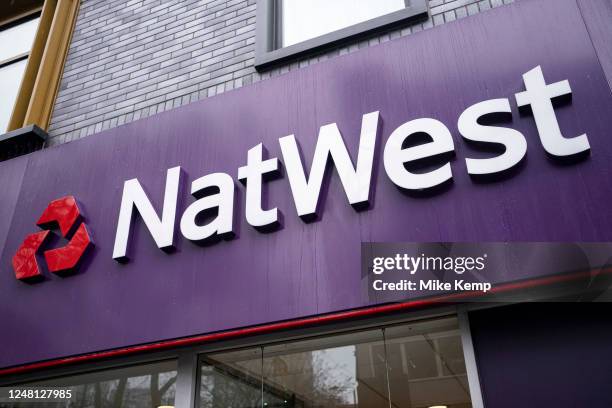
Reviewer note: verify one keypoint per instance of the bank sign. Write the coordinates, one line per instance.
(251, 207)
(214, 193)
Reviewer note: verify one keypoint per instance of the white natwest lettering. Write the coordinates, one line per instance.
(162, 229)
(356, 182)
(214, 193)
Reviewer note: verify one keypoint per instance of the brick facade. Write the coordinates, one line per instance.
(132, 59)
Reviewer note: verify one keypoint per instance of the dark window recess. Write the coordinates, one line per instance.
(286, 29)
(21, 141)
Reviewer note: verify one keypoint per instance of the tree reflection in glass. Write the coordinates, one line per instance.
(338, 371)
(148, 385)
(419, 364)
(231, 380)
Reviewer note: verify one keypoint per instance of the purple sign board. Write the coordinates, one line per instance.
(306, 268)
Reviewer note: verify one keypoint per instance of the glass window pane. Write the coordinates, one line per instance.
(420, 363)
(303, 20)
(150, 385)
(345, 371)
(18, 39)
(10, 80)
(426, 365)
(231, 380)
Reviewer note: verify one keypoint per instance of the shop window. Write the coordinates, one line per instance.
(426, 365)
(231, 379)
(340, 371)
(148, 385)
(289, 28)
(34, 35)
(412, 365)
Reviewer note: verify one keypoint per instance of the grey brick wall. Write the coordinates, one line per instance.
(130, 59)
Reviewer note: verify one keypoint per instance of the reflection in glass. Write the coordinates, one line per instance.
(339, 371)
(419, 364)
(231, 380)
(303, 20)
(10, 80)
(426, 365)
(15, 45)
(17, 39)
(150, 385)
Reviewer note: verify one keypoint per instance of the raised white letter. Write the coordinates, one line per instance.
(162, 230)
(539, 96)
(356, 182)
(513, 140)
(223, 200)
(252, 175)
(395, 156)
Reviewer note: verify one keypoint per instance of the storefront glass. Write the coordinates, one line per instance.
(426, 365)
(231, 379)
(412, 365)
(140, 386)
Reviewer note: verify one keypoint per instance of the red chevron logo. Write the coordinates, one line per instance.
(65, 214)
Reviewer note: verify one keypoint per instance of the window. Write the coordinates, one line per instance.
(34, 39)
(16, 43)
(289, 28)
(148, 385)
(420, 364)
(413, 364)
(297, 16)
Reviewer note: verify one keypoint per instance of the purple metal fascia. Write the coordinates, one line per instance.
(306, 269)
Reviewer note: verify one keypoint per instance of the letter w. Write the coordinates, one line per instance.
(356, 181)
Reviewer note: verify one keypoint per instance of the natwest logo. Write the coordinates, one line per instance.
(65, 214)
(403, 158)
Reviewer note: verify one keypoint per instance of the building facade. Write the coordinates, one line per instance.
(131, 60)
(204, 201)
